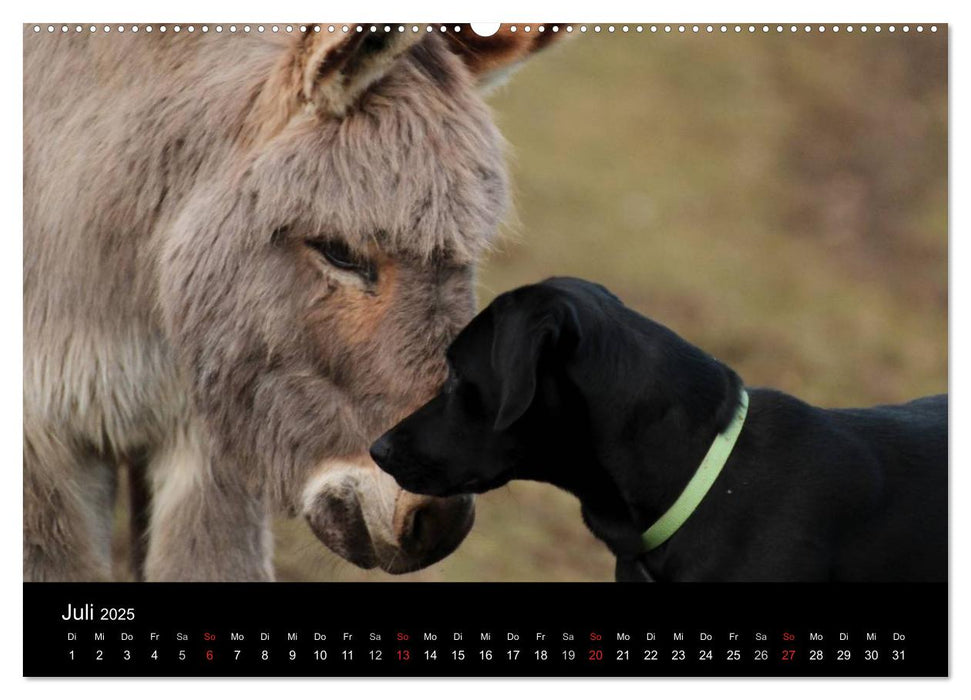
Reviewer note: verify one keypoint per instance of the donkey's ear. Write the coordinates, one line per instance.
(519, 343)
(334, 69)
(491, 59)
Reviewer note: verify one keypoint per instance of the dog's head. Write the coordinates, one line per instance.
(475, 434)
(547, 382)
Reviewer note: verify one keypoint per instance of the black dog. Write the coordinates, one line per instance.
(560, 382)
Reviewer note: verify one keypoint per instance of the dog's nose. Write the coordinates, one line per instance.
(381, 450)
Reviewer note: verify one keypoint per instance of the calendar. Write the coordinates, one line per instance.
(567, 349)
(483, 630)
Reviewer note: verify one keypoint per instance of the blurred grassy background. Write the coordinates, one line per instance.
(780, 201)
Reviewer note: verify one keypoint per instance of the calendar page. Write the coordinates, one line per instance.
(547, 349)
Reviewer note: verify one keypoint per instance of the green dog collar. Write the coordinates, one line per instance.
(711, 466)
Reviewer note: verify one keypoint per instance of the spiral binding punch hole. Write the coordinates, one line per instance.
(486, 29)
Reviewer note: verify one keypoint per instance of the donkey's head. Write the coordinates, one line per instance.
(317, 282)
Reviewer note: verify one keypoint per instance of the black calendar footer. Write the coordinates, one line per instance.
(480, 629)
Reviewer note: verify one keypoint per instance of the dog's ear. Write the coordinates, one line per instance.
(519, 341)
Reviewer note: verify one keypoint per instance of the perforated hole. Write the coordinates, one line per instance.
(489, 29)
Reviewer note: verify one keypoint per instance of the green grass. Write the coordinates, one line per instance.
(778, 201)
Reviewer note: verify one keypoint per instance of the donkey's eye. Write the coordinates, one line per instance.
(338, 254)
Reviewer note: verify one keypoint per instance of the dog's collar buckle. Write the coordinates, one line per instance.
(701, 482)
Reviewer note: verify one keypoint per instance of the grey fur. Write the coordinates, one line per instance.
(175, 318)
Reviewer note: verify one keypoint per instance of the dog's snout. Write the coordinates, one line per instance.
(381, 450)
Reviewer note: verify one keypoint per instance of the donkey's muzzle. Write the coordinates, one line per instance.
(361, 514)
(429, 529)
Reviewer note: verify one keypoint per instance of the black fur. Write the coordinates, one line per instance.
(560, 382)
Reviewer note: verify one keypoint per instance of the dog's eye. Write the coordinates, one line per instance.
(338, 254)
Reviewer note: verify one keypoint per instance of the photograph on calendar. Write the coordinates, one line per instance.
(556, 303)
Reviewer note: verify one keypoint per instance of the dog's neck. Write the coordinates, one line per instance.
(630, 429)
(624, 495)
(638, 487)
(625, 490)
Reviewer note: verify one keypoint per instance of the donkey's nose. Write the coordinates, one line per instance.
(431, 528)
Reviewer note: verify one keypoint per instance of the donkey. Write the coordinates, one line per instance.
(244, 257)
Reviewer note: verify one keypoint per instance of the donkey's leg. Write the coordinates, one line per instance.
(69, 501)
(203, 527)
(139, 505)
